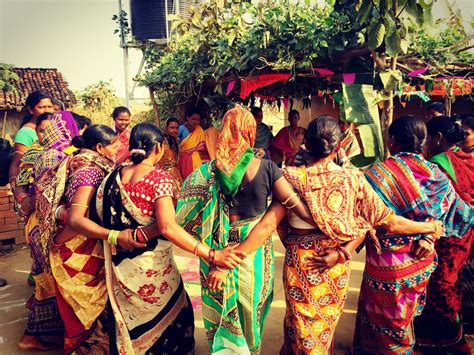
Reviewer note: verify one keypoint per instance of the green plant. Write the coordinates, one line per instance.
(8, 78)
(121, 20)
(97, 102)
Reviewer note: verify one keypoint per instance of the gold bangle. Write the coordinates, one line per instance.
(289, 198)
(80, 205)
(293, 205)
(196, 248)
(221, 269)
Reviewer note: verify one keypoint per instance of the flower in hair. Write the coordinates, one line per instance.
(138, 151)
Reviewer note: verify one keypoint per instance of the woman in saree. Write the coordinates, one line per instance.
(439, 328)
(192, 146)
(219, 204)
(394, 283)
(75, 249)
(36, 104)
(152, 310)
(287, 143)
(316, 271)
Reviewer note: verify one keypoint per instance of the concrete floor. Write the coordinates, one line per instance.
(16, 265)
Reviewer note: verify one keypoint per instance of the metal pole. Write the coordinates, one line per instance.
(126, 69)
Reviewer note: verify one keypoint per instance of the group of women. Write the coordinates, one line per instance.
(101, 236)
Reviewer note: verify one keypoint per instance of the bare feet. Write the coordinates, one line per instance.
(30, 342)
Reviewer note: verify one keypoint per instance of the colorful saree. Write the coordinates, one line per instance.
(440, 324)
(44, 317)
(78, 264)
(123, 149)
(345, 208)
(233, 318)
(394, 284)
(153, 313)
(169, 163)
(192, 152)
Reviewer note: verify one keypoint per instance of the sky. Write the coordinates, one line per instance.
(76, 37)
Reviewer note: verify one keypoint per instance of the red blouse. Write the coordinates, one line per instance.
(144, 193)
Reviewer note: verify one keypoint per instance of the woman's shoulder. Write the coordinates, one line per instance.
(26, 135)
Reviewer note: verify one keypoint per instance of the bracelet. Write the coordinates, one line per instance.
(429, 239)
(212, 256)
(140, 236)
(112, 237)
(196, 248)
(293, 205)
(341, 256)
(346, 253)
(221, 269)
(289, 198)
(80, 205)
(144, 233)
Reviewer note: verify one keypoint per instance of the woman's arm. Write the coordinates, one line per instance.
(167, 226)
(264, 228)
(402, 225)
(282, 191)
(14, 169)
(79, 222)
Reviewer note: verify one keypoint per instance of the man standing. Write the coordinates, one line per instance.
(264, 136)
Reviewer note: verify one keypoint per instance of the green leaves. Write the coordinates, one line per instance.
(376, 34)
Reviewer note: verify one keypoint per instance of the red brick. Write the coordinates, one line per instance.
(15, 219)
(20, 240)
(4, 207)
(9, 227)
(8, 214)
(12, 234)
(4, 200)
(4, 192)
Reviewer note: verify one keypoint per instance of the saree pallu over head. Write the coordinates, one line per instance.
(234, 148)
(394, 282)
(287, 142)
(190, 150)
(233, 318)
(150, 305)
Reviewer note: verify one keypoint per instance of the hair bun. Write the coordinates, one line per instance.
(78, 142)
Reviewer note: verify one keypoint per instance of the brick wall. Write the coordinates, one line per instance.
(12, 228)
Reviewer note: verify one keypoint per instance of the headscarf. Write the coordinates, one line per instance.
(234, 148)
(57, 137)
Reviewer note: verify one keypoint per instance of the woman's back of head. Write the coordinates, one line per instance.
(94, 135)
(6, 151)
(409, 134)
(322, 137)
(449, 128)
(143, 140)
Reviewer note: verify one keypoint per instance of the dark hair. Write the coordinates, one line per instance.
(6, 151)
(448, 127)
(171, 120)
(43, 117)
(144, 136)
(254, 110)
(81, 121)
(436, 106)
(193, 111)
(467, 120)
(95, 134)
(293, 112)
(322, 136)
(118, 110)
(31, 101)
(409, 133)
(59, 103)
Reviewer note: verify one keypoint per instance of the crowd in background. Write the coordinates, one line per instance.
(103, 207)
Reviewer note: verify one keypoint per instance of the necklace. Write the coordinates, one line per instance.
(147, 164)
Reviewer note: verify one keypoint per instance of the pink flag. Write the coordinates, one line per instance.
(285, 101)
(349, 78)
(418, 72)
(230, 87)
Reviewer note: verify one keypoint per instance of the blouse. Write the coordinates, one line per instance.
(26, 136)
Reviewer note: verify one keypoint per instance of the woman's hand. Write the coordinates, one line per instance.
(439, 229)
(27, 205)
(216, 278)
(125, 240)
(229, 257)
(322, 261)
(423, 248)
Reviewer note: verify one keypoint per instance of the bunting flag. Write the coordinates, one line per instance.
(249, 85)
(230, 87)
(323, 72)
(349, 78)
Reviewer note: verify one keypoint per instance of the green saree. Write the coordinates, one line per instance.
(233, 318)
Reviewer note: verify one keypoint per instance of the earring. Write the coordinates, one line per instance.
(437, 143)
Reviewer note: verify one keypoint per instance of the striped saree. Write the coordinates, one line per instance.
(233, 318)
(394, 283)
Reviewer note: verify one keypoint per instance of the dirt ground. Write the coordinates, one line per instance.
(15, 267)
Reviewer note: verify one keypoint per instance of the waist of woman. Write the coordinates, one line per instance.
(307, 237)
